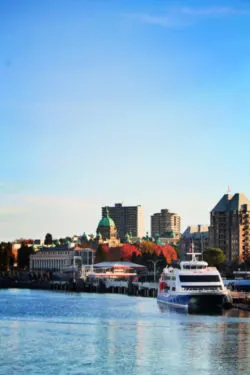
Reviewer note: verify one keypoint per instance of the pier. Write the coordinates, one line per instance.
(98, 285)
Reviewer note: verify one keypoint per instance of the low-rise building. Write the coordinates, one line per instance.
(60, 258)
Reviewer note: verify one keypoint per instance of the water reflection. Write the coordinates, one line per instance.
(214, 344)
(112, 334)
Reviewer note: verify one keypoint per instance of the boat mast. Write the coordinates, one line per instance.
(193, 254)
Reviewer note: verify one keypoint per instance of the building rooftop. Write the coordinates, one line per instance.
(65, 247)
(118, 265)
(238, 201)
(230, 203)
(196, 231)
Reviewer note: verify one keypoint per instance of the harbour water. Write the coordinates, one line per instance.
(47, 332)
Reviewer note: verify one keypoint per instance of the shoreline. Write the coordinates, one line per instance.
(86, 288)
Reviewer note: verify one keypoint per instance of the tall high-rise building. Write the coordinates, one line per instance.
(128, 219)
(230, 226)
(165, 222)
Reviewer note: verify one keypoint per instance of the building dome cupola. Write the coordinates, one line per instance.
(106, 221)
(106, 227)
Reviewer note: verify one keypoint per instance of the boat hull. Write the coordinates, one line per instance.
(196, 302)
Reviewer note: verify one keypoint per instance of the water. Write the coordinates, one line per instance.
(44, 332)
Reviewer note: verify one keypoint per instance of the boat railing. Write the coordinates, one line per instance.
(203, 291)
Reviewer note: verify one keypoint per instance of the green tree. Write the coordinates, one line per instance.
(247, 261)
(48, 239)
(101, 253)
(4, 256)
(23, 256)
(214, 256)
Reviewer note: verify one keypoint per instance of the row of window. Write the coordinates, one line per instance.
(168, 278)
(199, 278)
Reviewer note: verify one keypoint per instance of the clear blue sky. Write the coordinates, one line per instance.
(145, 102)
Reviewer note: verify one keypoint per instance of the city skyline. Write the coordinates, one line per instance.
(101, 102)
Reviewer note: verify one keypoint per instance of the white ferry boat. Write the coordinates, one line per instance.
(193, 286)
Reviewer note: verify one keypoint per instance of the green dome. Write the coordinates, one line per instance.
(127, 238)
(106, 221)
(171, 234)
(159, 242)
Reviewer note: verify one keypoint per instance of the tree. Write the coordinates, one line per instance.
(48, 239)
(247, 262)
(153, 250)
(101, 253)
(177, 249)
(147, 247)
(23, 256)
(214, 256)
(169, 253)
(6, 259)
(128, 250)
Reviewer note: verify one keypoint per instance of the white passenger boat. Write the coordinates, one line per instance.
(193, 286)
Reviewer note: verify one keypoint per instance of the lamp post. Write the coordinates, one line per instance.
(154, 263)
(92, 261)
(201, 248)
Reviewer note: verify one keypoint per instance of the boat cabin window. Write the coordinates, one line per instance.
(164, 277)
(173, 288)
(193, 267)
(199, 278)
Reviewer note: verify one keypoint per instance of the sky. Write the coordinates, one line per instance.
(141, 102)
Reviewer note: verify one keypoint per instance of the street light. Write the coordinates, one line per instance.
(154, 263)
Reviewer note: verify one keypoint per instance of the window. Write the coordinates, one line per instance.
(199, 279)
(165, 278)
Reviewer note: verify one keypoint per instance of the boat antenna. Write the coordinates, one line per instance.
(193, 254)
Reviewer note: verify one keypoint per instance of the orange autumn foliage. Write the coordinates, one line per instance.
(127, 250)
(169, 253)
